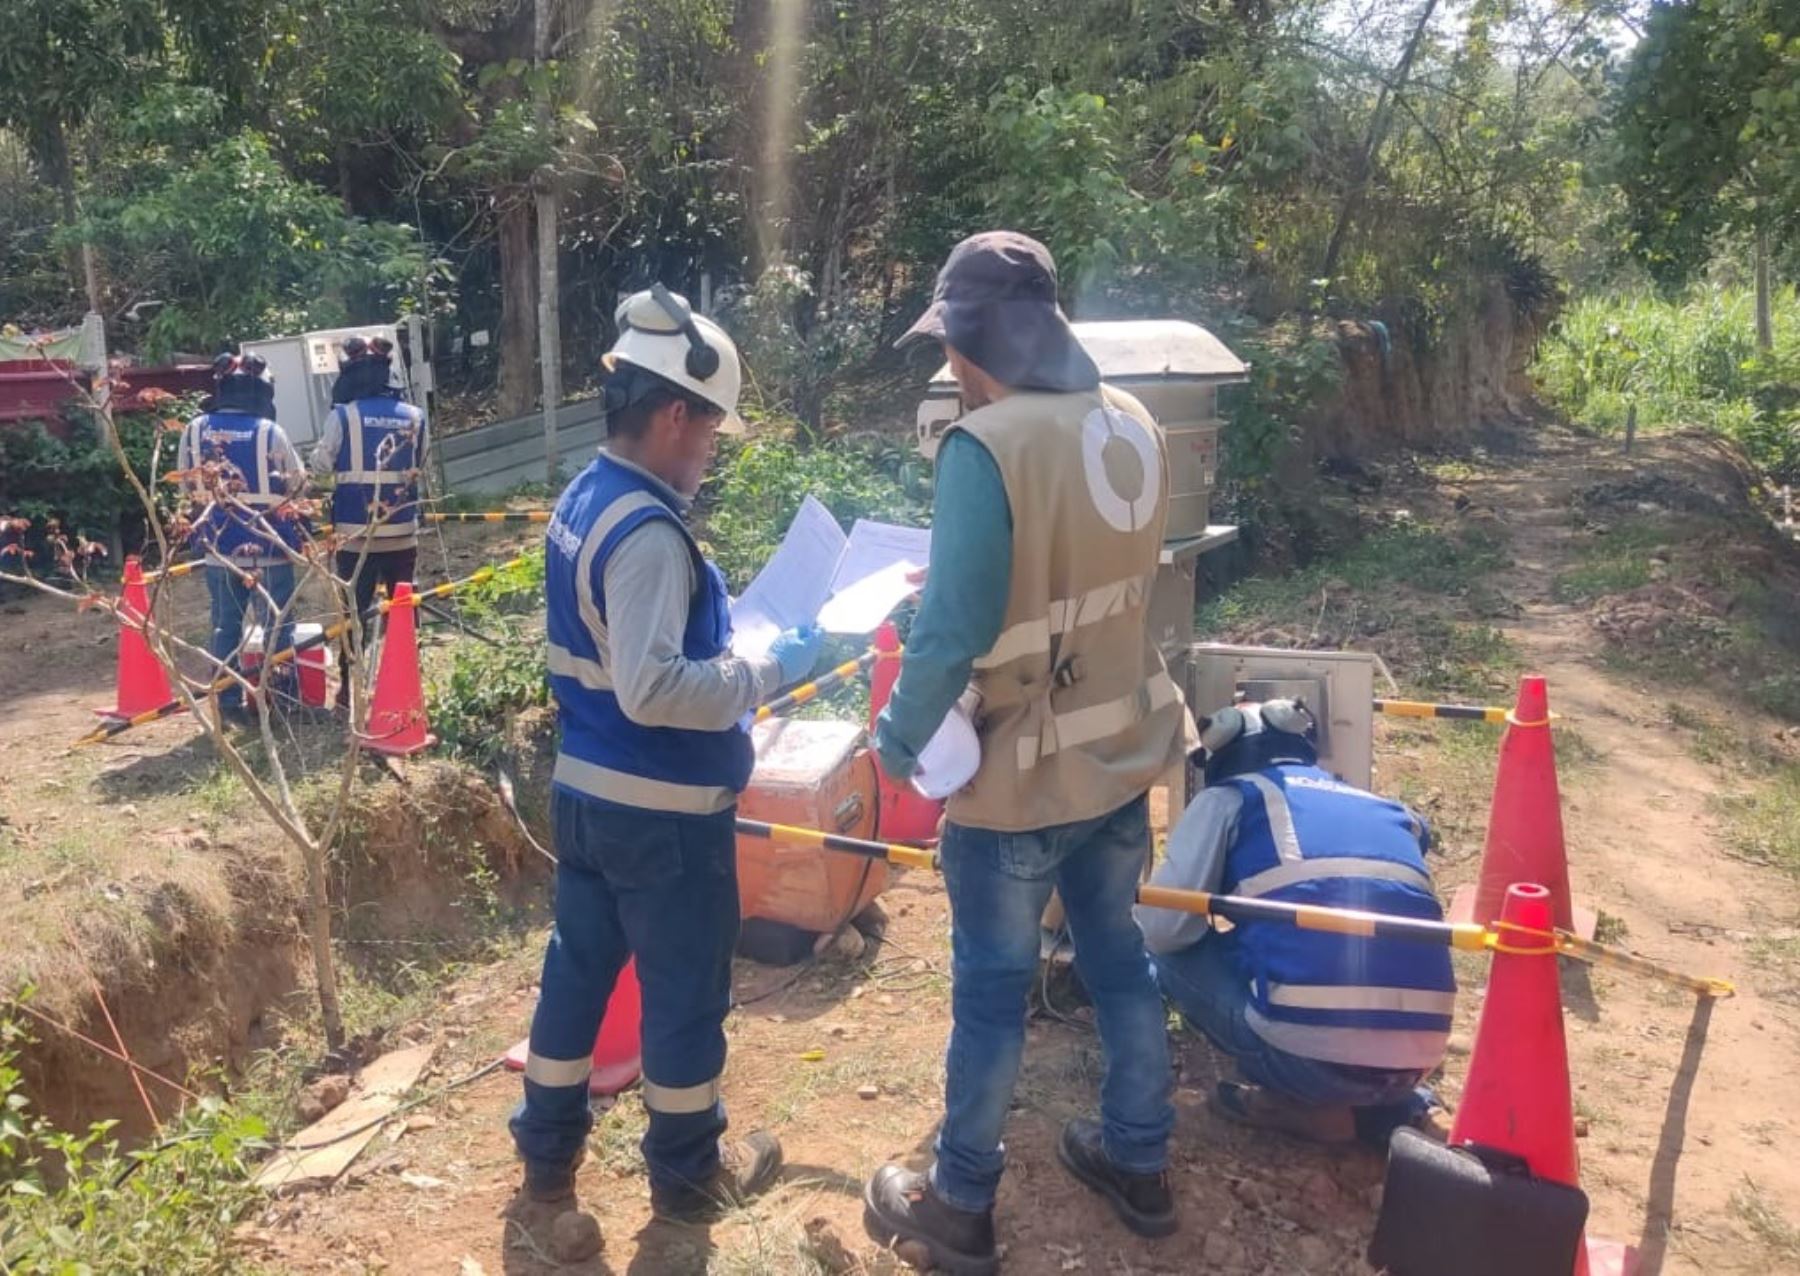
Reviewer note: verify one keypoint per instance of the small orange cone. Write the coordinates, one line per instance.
(397, 715)
(1525, 832)
(142, 685)
(618, 1049)
(905, 815)
(1516, 1097)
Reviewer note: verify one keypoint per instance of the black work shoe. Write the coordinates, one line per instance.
(747, 1168)
(551, 1184)
(901, 1206)
(1143, 1202)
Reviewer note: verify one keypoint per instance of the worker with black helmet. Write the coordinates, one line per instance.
(374, 444)
(241, 476)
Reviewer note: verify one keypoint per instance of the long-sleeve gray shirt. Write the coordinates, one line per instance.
(1194, 860)
(649, 583)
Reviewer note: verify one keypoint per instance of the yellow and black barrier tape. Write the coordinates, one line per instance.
(1466, 936)
(818, 686)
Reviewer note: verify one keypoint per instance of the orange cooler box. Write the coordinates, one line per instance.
(817, 775)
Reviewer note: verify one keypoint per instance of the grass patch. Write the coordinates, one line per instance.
(1616, 560)
(1762, 824)
(1429, 559)
(1610, 929)
(1777, 1235)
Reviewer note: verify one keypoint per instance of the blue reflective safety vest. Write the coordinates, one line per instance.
(1304, 837)
(240, 445)
(377, 492)
(604, 755)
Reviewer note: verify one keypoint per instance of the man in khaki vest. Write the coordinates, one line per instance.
(1051, 497)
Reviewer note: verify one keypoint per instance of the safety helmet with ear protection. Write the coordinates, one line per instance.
(1248, 737)
(660, 333)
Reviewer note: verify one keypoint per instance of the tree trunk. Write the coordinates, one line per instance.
(318, 910)
(1765, 320)
(82, 260)
(1378, 127)
(518, 303)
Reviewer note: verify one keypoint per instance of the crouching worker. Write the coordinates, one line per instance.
(1334, 1034)
(654, 751)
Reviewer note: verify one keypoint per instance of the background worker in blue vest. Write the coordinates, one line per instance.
(240, 474)
(1334, 1034)
(655, 748)
(374, 442)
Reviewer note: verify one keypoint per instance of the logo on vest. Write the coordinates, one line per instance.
(564, 538)
(1123, 468)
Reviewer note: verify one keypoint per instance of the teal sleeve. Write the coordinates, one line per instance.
(964, 604)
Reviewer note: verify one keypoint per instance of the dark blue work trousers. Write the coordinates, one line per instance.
(662, 888)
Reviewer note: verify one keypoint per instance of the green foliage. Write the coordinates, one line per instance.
(473, 701)
(1708, 124)
(246, 247)
(77, 1204)
(758, 484)
(76, 480)
(1690, 360)
(794, 351)
(1292, 367)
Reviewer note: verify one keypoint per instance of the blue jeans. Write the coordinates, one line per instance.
(662, 888)
(999, 884)
(230, 598)
(1205, 983)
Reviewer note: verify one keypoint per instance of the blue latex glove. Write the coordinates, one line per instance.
(797, 651)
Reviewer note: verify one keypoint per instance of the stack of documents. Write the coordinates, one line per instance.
(844, 584)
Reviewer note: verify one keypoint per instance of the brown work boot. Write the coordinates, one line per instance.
(747, 1168)
(1143, 1202)
(1263, 1109)
(547, 1184)
(901, 1207)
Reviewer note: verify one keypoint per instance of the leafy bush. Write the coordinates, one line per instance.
(76, 480)
(796, 348)
(485, 685)
(77, 1204)
(1691, 360)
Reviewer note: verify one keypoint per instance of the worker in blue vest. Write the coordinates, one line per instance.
(1333, 1034)
(654, 710)
(374, 443)
(241, 477)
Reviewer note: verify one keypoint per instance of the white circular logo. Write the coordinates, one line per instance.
(1123, 467)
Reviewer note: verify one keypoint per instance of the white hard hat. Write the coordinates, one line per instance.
(660, 333)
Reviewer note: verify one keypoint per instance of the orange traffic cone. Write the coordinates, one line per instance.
(618, 1050)
(1525, 832)
(905, 815)
(143, 684)
(397, 715)
(1516, 1097)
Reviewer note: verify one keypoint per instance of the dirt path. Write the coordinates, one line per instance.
(1684, 1108)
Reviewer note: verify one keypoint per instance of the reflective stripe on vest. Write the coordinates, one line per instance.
(589, 673)
(624, 789)
(1098, 721)
(1296, 871)
(1032, 637)
(1417, 1001)
(610, 517)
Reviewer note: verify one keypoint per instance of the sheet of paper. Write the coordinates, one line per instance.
(793, 584)
(859, 607)
(873, 547)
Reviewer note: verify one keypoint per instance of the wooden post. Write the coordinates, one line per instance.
(546, 193)
(1630, 427)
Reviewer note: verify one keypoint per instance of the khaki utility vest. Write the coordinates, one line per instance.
(1077, 713)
